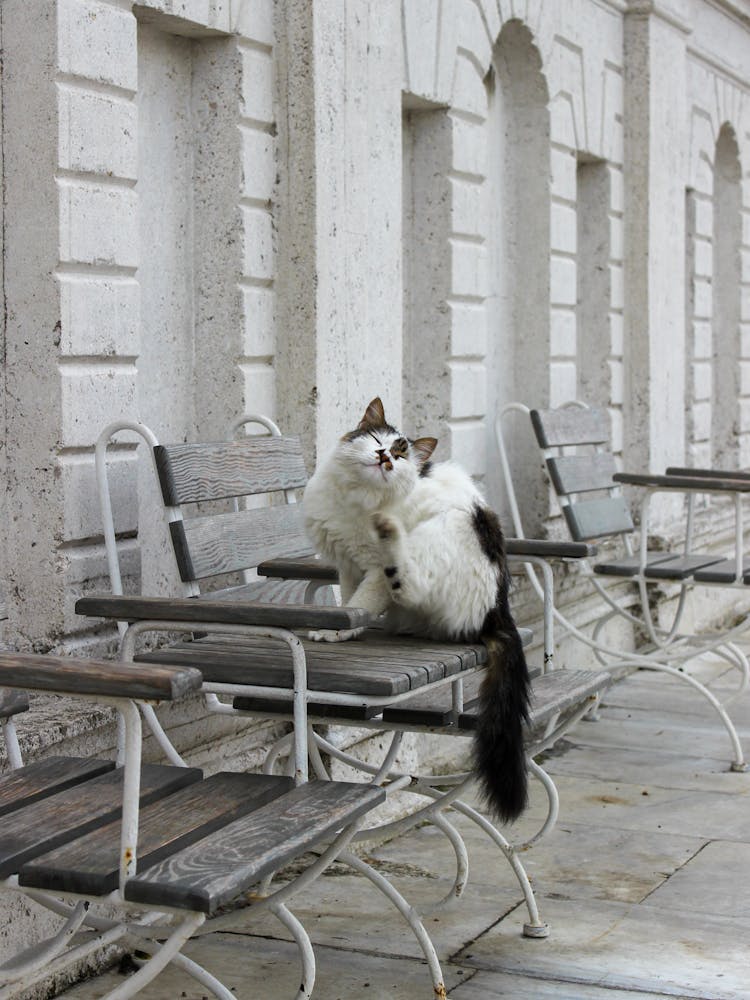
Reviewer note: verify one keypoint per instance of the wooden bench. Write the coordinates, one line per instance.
(385, 683)
(153, 836)
(574, 442)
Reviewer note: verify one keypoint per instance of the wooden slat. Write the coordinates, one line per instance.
(551, 693)
(190, 473)
(548, 548)
(723, 572)
(12, 702)
(693, 484)
(570, 426)
(309, 568)
(281, 707)
(330, 667)
(217, 868)
(581, 473)
(589, 519)
(44, 825)
(680, 567)
(46, 777)
(630, 565)
(90, 864)
(211, 609)
(70, 675)
(680, 470)
(237, 540)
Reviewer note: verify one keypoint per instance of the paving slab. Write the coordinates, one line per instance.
(266, 969)
(715, 880)
(489, 985)
(631, 947)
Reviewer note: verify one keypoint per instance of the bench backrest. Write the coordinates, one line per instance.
(590, 500)
(236, 536)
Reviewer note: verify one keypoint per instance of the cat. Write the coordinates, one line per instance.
(415, 541)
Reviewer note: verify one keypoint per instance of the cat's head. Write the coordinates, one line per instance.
(379, 457)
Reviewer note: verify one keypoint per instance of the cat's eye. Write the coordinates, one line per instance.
(399, 448)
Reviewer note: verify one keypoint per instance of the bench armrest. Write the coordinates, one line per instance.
(191, 609)
(684, 483)
(92, 678)
(315, 568)
(548, 549)
(676, 470)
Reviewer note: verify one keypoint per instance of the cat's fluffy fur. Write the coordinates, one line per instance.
(417, 542)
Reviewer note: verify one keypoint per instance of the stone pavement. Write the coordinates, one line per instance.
(645, 883)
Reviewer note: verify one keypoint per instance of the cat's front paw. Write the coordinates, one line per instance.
(385, 529)
(334, 635)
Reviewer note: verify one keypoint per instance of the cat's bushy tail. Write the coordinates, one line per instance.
(499, 756)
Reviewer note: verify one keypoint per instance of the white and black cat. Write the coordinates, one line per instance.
(416, 541)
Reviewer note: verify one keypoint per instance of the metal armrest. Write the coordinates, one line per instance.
(548, 549)
(676, 470)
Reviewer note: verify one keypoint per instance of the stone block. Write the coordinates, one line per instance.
(81, 514)
(563, 383)
(616, 382)
(562, 332)
(92, 395)
(745, 303)
(97, 132)
(745, 340)
(99, 315)
(468, 329)
(616, 334)
(468, 388)
(703, 216)
(98, 41)
(260, 388)
(616, 425)
(258, 85)
(562, 120)
(616, 189)
(744, 377)
(258, 164)
(259, 306)
(702, 380)
(745, 258)
(468, 268)
(563, 166)
(98, 224)
(616, 238)
(616, 286)
(563, 227)
(253, 19)
(563, 285)
(468, 207)
(472, 35)
(703, 258)
(703, 299)
(258, 233)
(702, 339)
(468, 446)
(469, 91)
(469, 146)
(702, 421)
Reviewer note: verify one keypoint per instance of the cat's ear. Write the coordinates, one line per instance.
(374, 415)
(423, 448)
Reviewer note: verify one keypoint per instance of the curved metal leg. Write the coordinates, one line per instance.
(307, 956)
(408, 913)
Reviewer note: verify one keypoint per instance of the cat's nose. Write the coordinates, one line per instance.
(384, 458)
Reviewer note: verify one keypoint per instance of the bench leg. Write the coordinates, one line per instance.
(408, 913)
(166, 953)
(307, 956)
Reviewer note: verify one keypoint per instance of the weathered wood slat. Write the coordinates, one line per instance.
(217, 868)
(679, 470)
(271, 670)
(12, 702)
(211, 609)
(556, 691)
(570, 425)
(71, 675)
(723, 572)
(309, 568)
(315, 710)
(582, 473)
(46, 777)
(191, 473)
(44, 825)
(694, 484)
(680, 567)
(589, 519)
(237, 540)
(90, 864)
(630, 565)
(548, 548)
